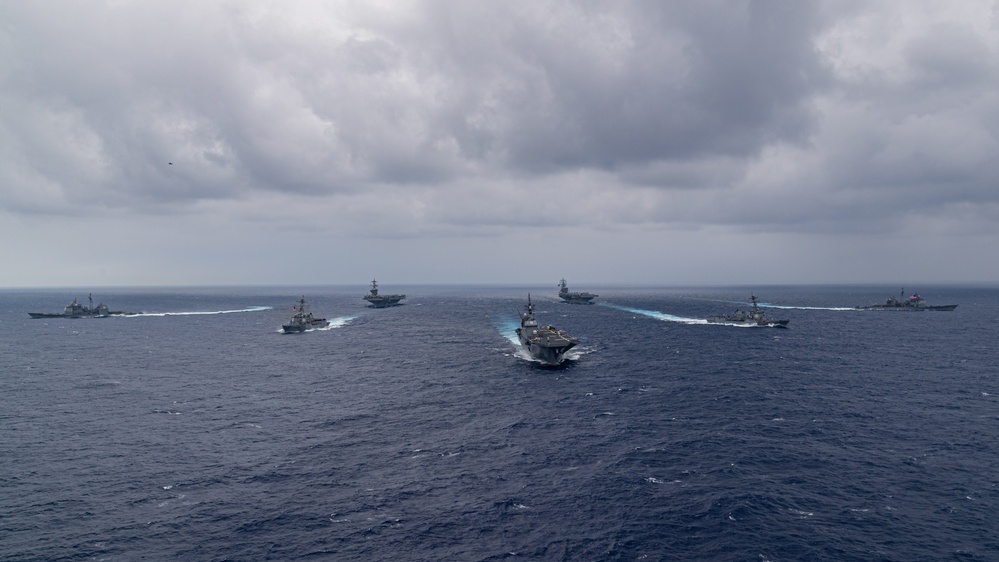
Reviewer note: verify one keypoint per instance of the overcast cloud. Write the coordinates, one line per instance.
(708, 142)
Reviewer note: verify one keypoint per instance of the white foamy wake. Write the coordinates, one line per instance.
(765, 305)
(658, 315)
(783, 307)
(200, 313)
(508, 329)
(338, 322)
(572, 355)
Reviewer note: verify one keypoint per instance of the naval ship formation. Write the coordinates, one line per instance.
(303, 320)
(573, 297)
(548, 343)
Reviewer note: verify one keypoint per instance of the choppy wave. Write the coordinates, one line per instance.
(420, 434)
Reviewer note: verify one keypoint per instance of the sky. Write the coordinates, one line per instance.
(251, 142)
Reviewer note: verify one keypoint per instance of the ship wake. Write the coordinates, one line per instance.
(783, 307)
(767, 305)
(200, 313)
(657, 315)
(508, 329)
(338, 322)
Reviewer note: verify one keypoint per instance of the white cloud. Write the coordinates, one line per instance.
(726, 126)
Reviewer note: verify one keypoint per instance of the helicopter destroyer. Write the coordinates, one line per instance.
(573, 297)
(915, 302)
(303, 320)
(548, 343)
(77, 310)
(755, 317)
(381, 301)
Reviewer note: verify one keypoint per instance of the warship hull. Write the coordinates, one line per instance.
(299, 328)
(939, 308)
(77, 310)
(753, 317)
(550, 354)
(547, 344)
(911, 304)
(83, 315)
(739, 322)
(61, 315)
(303, 321)
(381, 301)
(577, 299)
(384, 301)
(574, 297)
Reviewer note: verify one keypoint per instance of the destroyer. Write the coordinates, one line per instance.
(303, 320)
(915, 302)
(755, 317)
(381, 301)
(547, 344)
(573, 297)
(77, 310)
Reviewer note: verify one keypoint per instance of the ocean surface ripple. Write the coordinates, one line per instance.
(196, 431)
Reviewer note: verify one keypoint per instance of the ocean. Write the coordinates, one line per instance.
(197, 431)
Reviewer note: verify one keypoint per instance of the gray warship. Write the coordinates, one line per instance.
(381, 301)
(913, 303)
(77, 310)
(303, 320)
(754, 317)
(573, 297)
(548, 343)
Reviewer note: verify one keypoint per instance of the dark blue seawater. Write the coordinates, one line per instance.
(420, 433)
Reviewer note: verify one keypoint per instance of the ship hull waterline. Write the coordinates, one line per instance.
(936, 308)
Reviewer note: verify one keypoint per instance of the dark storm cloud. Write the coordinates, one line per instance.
(703, 80)
(470, 119)
(244, 99)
